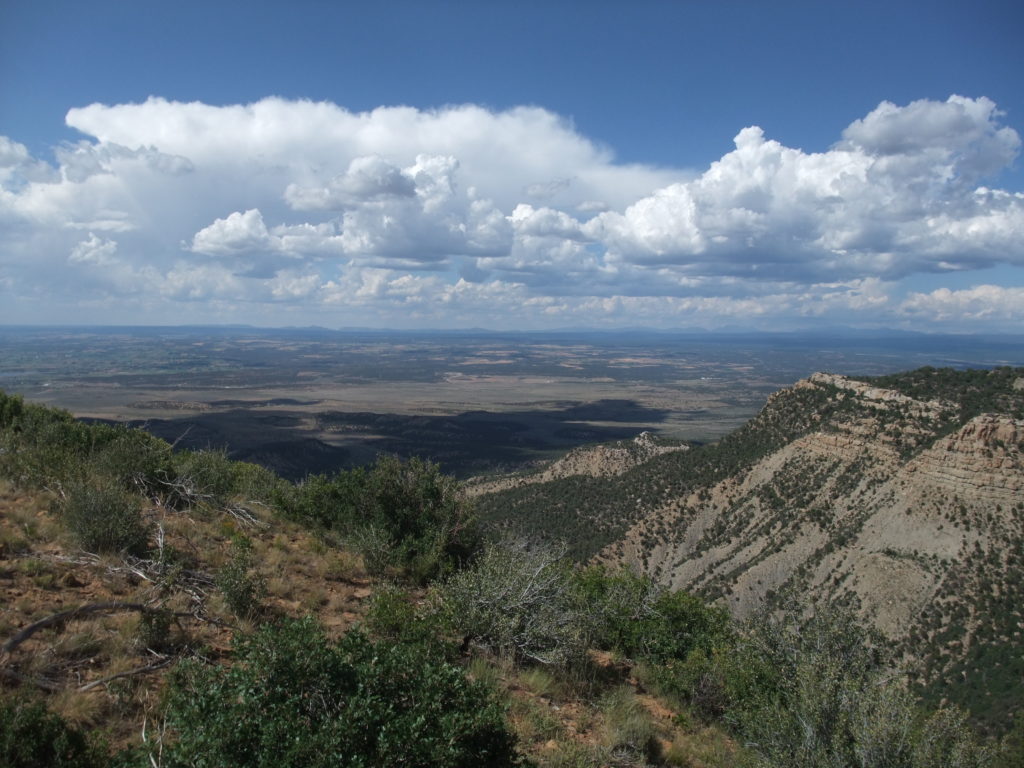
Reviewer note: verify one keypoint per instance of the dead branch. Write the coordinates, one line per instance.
(74, 613)
(244, 516)
(137, 671)
(46, 685)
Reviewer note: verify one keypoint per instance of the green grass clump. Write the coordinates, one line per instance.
(629, 729)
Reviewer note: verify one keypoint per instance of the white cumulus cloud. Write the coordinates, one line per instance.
(979, 304)
(467, 212)
(93, 251)
(895, 196)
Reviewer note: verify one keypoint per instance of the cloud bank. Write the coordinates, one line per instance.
(293, 211)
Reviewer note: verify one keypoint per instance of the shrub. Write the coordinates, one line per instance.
(42, 446)
(326, 501)
(946, 739)
(642, 620)
(31, 737)
(376, 546)
(621, 601)
(103, 518)
(243, 589)
(11, 409)
(393, 615)
(202, 477)
(403, 517)
(519, 599)
(291, 698)
(817, 692)
(153, 631)
(255, 484)
(1012, 748)
(133, 459)
(421, 513)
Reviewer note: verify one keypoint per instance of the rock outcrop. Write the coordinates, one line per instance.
(587, 461)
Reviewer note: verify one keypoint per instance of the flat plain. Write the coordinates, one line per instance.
(316, 400)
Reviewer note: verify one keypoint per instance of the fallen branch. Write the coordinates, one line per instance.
(46, 685)
(137, 671)
(74, 613)
(244, 516)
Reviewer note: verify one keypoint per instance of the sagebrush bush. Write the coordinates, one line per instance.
(103, 517)
(818, 691)
(519, 600)
(292, 698)
(946, 739)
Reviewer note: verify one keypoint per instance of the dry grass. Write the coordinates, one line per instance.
(533, 721)
(541, 682)
(81, 709)
(484, 671)
(341, 565)
(628, 728)
(569, 753)
(313, 598)
(704, 748)
(280, 587)
(555, 717)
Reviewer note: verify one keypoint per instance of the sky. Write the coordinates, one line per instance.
(677, 164)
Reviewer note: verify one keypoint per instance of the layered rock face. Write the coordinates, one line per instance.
(902, 507)
(982, 459)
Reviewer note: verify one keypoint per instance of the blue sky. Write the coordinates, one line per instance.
(513, 165)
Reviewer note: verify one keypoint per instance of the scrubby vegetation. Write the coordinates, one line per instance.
(405, 518)
(31, 736)
(973, 391)
(292, 698)
(800, 524)
(470, 653)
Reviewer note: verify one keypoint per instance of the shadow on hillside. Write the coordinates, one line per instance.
(464, 444)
